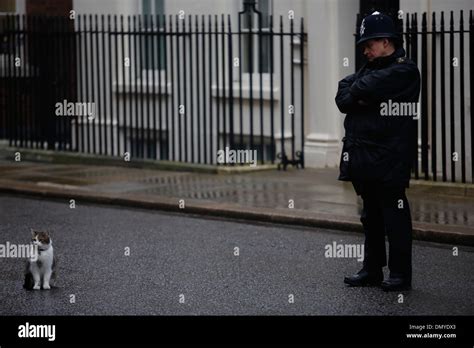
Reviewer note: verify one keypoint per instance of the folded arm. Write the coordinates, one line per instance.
(379, 85)
(344, 99)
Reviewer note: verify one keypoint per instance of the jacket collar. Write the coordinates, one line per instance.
(387, 60)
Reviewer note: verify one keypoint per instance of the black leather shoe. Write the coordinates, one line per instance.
(364, 278)
(396, 284)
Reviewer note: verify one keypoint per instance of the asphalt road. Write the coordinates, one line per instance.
(174, 254)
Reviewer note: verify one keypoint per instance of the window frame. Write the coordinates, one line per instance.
(266, 66)
(160, 64)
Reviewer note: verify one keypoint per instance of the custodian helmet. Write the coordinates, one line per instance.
(377, 25)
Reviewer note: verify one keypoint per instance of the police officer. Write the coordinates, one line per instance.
(377, 152)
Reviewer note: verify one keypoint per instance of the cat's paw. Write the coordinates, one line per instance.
(36, 287)
(46, 287)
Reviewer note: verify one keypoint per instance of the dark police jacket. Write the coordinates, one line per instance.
(379, 143)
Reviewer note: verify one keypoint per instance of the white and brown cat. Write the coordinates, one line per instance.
(40, 269)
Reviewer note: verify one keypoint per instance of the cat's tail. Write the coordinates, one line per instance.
(55, 267)
(29, 281)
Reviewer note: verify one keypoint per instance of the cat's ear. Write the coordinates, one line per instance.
(33, 232)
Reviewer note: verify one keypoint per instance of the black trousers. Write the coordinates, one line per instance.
(386, 211)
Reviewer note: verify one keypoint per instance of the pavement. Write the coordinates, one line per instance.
(441, 212)
(279, 269)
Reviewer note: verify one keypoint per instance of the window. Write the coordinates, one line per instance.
(148, 148)
(7, 6)
(149, 59)
(266, 8)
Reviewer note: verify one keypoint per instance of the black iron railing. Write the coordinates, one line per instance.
(159, 87)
